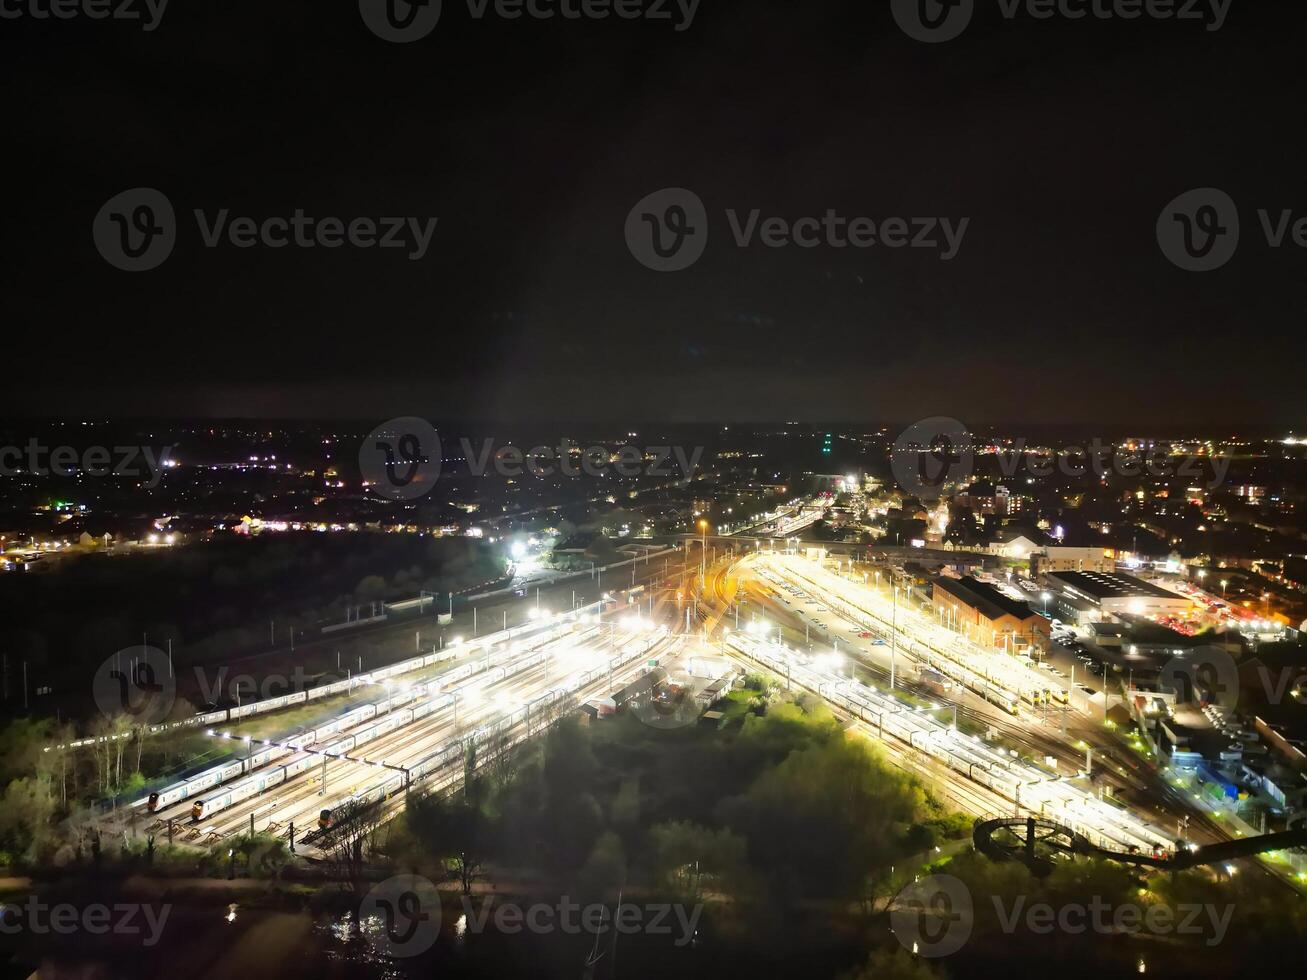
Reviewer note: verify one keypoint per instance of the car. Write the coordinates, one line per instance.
(879, 643)
(865, 635)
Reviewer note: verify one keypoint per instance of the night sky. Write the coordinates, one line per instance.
(531, 141)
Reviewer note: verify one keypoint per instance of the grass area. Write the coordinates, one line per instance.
(736, 705)
(288, 722)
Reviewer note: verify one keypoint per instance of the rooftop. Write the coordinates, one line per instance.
(989, 600)
(1109, 585)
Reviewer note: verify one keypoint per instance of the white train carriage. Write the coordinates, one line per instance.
(373, 794)
(209, 778)
(252, 786)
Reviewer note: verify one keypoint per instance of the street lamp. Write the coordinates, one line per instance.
(1045, 596)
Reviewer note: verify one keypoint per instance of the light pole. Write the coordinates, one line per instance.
(703, 554)
(894, 639)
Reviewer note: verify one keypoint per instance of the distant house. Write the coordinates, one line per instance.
(1017, 546)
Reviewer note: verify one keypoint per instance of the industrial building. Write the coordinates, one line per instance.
(988, 616)
(1056, 558)
(1092, 597)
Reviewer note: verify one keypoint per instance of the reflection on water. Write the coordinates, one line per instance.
(356, 944)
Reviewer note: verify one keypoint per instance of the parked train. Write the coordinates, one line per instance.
(386, 786)
(390, 718)
(1004, 776)
(219, 774)
(1013, 684)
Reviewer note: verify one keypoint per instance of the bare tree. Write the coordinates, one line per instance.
(502, 764)
(349, 841)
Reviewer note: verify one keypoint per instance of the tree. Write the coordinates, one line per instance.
(896, 964)
(605, 869)
(501, 767)
(453, 829)
(825, 817)
(354, 825)
(625, 810)
(693, 860)
(371, 587)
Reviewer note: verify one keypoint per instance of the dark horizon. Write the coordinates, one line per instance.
(530, 141)
(891, 427)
